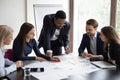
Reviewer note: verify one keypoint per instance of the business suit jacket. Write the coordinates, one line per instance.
(114, 51)
(85, 43)
(48, 31)
(28, 47)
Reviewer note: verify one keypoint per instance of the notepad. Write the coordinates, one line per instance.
(103, 64)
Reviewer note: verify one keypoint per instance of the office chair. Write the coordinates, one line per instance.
(8, 54)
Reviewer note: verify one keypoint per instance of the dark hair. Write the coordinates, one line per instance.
(25, 28)
(110, 33)
(92, 22)
(60, 15)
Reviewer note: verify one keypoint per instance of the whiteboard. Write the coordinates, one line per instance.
(40, 10)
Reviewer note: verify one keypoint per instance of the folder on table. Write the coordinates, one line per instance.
(103, 64)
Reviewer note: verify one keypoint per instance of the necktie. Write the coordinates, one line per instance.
(93, 45)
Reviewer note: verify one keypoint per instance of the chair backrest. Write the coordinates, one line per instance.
(9, 54)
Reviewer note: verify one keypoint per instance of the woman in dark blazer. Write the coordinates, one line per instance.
(111, 45)
(24, 43)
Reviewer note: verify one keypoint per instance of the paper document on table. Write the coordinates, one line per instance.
(46, 65)
(85, 66)
(103, 64)
(68, 65)
(48, 76)
(52, 70)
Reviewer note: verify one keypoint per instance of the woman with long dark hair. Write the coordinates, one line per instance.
(25, 42)
(111, 45)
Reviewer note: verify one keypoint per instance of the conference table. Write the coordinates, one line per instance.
(74, 70)
(105, 74)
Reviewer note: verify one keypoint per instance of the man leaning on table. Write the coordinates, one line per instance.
(55, 34)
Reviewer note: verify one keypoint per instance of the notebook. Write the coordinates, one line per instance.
(103, 64)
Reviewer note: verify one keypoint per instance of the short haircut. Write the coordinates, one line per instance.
(92, 22)
(60, 14)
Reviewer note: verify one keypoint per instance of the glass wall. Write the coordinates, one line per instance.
(118, 17)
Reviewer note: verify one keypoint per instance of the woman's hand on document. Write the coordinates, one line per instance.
(40, 59)
(55, 59)
(19, 64)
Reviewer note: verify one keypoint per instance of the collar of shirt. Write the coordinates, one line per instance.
(2, 52)
(56, 34)
(94, 37)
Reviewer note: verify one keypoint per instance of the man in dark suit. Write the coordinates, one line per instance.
(54, 34)
(91, 41)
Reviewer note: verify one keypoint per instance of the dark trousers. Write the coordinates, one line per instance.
(56, 47)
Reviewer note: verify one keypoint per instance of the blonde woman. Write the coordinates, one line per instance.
(6, 36)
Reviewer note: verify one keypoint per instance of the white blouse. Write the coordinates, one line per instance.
(3, 62)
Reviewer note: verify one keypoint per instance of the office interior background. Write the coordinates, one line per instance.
(15, 12)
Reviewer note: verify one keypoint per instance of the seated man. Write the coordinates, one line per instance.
(91, 41)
